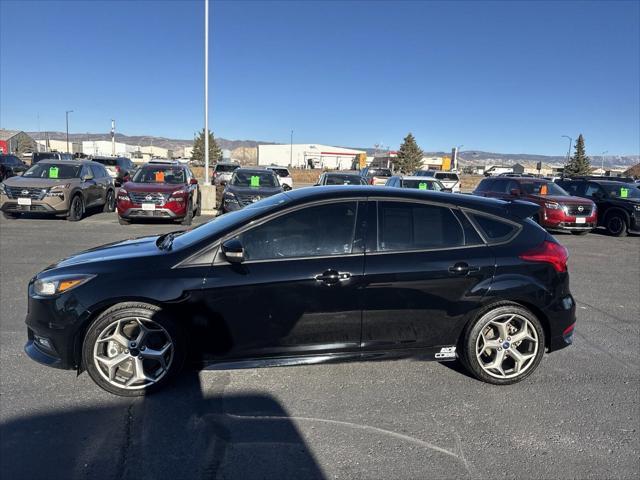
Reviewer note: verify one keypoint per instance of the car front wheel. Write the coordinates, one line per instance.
(504, 346)
(616, 225)
(110, 202)
(132, 349)
(76, 209)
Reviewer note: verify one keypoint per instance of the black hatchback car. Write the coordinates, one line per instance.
(618, 203)
(310, 276)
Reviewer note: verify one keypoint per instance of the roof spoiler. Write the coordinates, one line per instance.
(522, 209)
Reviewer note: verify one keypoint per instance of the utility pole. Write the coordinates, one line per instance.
(113, 138)
(206, 93)
(291, 150)
(602, 161)
(67, 116)
(570, 145)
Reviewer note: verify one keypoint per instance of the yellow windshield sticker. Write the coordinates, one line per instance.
(624, 192)
(53, 172)
(422, 186)
(255, 181)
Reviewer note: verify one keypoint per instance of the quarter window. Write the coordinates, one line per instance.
(315, 231)
(494, 230)
(415, 226)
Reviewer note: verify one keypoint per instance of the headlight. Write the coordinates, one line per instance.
(122, 194)
(3, 190)
(230, 197)
(552, 206)
(178, 196)
(57, 191)
(52, 286)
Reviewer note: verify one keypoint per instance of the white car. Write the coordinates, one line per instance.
(450, 180)
(284, 176)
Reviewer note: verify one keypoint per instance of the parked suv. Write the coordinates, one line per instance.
(558, 209)
(64, 188)
(450, 180)
(223, 171)
(284, 176)
(344, 177)
(10, 166)
(120, 168)
(160, 191)
(37, 156)
(618, 203)
(247, 186)
(375, 176)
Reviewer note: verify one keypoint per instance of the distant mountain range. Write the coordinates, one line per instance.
(469, 157)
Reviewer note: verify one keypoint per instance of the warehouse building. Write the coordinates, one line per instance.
(306, 155)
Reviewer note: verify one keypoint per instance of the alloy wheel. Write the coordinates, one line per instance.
(133, 353)
(507, 346)
(616, 224)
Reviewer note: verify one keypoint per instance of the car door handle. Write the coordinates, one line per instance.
(331, 277)
(462, 268)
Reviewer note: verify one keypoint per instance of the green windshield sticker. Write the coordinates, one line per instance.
(624, 192)
(53, 172)
(255, 181)
(422, 186)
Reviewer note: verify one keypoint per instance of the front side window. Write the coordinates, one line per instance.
(415, 226)
(592, 189)
(310, 232)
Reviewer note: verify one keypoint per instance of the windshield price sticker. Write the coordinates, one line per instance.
(255, 181)
(422, 186)
(624, 192)
(53, 172)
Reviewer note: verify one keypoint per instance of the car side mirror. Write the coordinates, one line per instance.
(193, 181)
(233, 250)
(515, 192)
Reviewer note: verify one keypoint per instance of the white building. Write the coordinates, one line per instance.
(103, 148)
(301, 155)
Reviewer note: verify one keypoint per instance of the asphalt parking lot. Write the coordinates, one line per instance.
(577, 417)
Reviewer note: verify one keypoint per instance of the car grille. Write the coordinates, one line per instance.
(14, 207)
(248, 199)
(150, 213)
(575, 210)
(149, 197)
(24, 192)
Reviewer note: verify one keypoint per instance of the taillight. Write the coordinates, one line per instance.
(371, 180)
(548, 252)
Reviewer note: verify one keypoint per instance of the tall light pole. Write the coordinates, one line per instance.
(206, 93)
(570, 145)
(602, 160)
(291, 150)
(67, 117)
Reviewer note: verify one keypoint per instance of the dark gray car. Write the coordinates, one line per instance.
(247, 186)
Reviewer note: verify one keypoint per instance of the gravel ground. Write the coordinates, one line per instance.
(576, 417)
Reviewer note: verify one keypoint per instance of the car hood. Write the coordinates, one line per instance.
(154, 187)
(36, 182)
(134, 248)
(259, 191)
(562, 199)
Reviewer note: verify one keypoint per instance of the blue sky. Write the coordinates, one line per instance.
(497, 76)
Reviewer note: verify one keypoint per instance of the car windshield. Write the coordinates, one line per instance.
(253, 178)
(422, 184)
(379, 172)
(342, 180)
(620, 190)
(543, 188)
(43, 156)
(281, 172)
(160, 174)
(447, 176)
(225, 168)
(106, 161)
(53, 171)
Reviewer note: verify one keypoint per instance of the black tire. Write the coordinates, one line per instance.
(11, 215)
(471, 339)
(581, 232)
(76, 209)
(123, 221)
(188, 218)
(110, 202)
(286, 187)
(124, 312)
(616, 225)
(198, 211)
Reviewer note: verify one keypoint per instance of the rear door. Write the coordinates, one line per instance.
(425, 270)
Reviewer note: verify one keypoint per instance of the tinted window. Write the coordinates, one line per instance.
(253, 178)
(342, 180)
(494, 230)
(422, 184)
(500, 186)
(542, 188)
(225, 168)
(592, 188)
(379, 172)
(281, 172)
(485, 185)
(314, 231)
(107, 161)
(53, 170)
(414, 226)
(447, 176)
(571, 188)
(160, 174)
(622, 190)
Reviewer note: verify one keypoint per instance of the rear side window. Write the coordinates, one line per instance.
(447, 176)
(415, 226)
(485, 185)
(495, 230)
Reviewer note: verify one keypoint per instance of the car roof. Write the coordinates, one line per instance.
(70, 162)
(419, 177)
(251, 169)
(595, 180)
(346, 172)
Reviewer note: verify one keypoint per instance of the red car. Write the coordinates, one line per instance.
(558, 209)
(168, 191)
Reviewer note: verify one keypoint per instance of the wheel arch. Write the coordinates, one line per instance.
(614, 210)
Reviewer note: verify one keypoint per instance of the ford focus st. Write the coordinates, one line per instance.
(311, 276)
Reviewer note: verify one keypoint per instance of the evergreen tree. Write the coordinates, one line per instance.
(409, 156)
(579, 164)
(215, 153)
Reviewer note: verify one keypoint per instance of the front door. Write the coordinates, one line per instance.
(298, 290)
(424, 273)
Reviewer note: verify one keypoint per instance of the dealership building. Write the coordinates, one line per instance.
(303, 155)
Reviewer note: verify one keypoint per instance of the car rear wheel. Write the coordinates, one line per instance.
(189, 216)
(198, 211)
(110, 202)
(132, 349)
(504, 346)
(76, 209)
(616, 225)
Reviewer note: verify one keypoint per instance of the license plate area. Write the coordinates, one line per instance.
(24, 201)
(148, 206)
(581, 220)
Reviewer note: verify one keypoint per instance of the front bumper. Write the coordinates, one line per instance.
(37, 206)
(138, 212)
(572, 227)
